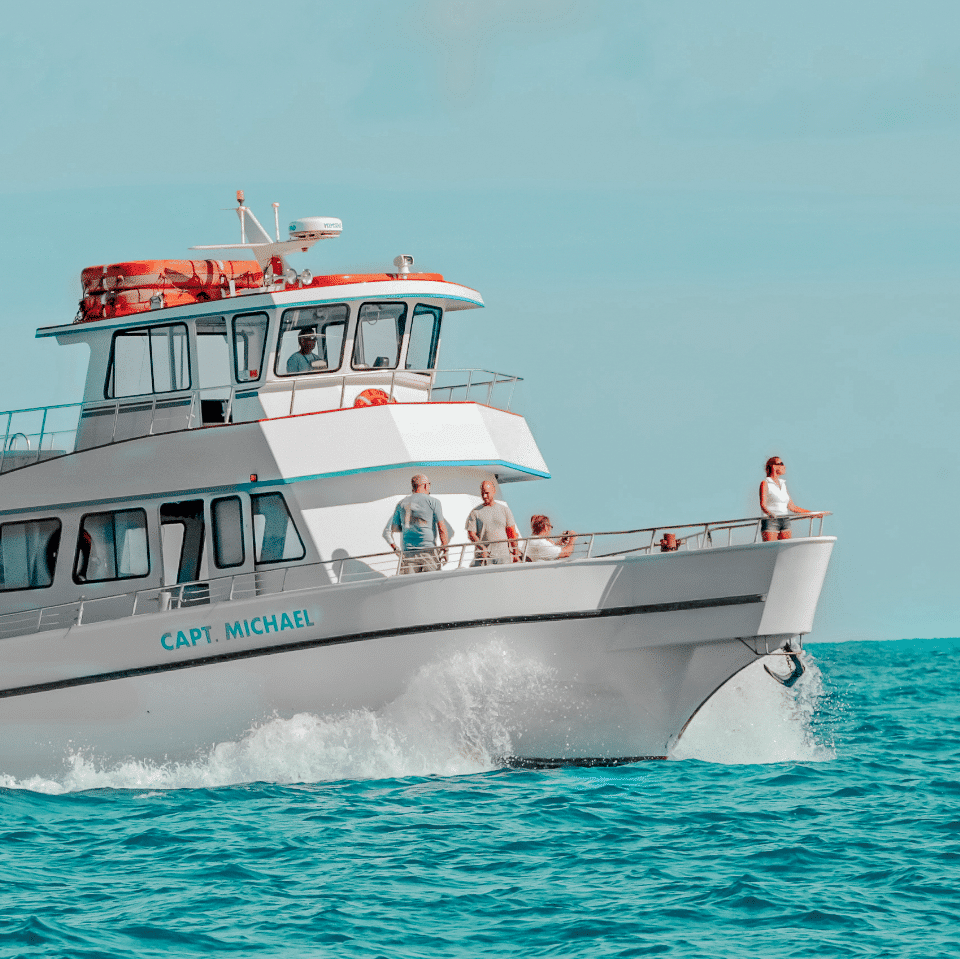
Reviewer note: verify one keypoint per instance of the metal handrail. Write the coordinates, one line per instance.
(486, 380)
(268, 581)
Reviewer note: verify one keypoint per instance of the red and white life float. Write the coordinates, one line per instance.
(373, 397)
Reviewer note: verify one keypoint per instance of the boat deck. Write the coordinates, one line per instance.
(40, 433)
(589, 547)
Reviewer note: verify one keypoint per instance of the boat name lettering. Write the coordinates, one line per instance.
(238, 629)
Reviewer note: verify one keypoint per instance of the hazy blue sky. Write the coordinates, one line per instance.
(705, 232)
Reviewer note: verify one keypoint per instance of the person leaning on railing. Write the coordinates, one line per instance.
(775, 502)
(494, 530)
(540, 547)
(419, 517)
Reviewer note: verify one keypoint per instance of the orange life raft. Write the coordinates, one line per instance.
(119, 289)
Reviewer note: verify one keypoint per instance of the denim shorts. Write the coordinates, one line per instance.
(773, 524)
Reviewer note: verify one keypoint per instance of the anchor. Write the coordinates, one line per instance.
(796, 671)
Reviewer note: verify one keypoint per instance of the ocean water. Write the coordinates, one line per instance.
(818, 821)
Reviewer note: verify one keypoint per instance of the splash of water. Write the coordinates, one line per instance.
(452, 719)
(752, 719)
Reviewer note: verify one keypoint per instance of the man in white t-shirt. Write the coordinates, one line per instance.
(542, 548)
(492, 527)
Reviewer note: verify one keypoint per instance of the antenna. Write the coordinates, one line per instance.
(240, 211)
(303, 234)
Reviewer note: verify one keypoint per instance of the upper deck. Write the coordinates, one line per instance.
(293, 347)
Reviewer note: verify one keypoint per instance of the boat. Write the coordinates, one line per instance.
(195, 547)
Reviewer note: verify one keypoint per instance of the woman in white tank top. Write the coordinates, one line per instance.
(775, 502)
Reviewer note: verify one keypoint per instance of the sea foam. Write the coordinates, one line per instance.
(452, 721)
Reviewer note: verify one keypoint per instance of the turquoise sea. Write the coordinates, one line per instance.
(818, 821)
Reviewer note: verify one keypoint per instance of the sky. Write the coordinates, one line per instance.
(706, 233)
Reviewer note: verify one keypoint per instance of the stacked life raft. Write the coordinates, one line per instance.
(121, 289)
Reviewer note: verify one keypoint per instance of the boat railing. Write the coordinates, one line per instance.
(405, 386)
(374, 566)
(43, 432)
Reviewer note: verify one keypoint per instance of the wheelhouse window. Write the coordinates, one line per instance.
(424, 337)
(311, 340)
(112, 546)
(249, 343)
(152, 359)
(275, 537)
(379, 333)
(28, 553)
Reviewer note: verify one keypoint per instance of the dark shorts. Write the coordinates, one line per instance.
(774, 524)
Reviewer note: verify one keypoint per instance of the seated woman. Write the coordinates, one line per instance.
(541, 548)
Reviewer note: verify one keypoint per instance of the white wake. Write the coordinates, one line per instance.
(455, 719)
(753, 719)
(451, 720)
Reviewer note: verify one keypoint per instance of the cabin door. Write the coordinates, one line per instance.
(182, 535)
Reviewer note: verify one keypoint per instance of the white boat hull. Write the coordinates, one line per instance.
(625, 651)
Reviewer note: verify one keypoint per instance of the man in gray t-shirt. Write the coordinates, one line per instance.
(488, 523)
(419, 517)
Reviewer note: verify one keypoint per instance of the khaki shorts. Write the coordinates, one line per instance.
(420, 561)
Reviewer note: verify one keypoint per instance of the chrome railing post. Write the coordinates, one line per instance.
(3, 452)
(293, 395)
(43, 426)
(343, 390)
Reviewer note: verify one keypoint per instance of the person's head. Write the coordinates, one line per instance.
(420, 483)
(488, 489)
(308, 340)
(540, 524)
(775, 465)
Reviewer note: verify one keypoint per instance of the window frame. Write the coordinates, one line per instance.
(109, 385)
(281, 332)
(357, 335)
(233, 346)
(434, 348)
(58, 532)
(253, 512)
(116, 579)
(214, 530)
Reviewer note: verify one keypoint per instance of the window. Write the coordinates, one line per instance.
(28, 553)
(275, 537)
(148, 360)
(311, 340)
(424, 337)
(379, 332)
(227, 518)
(249, 342)
(112, 546)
